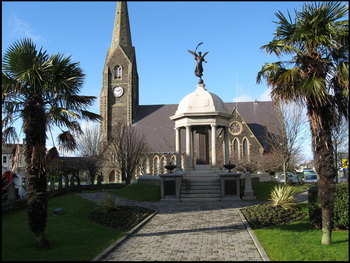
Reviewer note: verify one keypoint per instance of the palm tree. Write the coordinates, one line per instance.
(41, 90)
(318, 77)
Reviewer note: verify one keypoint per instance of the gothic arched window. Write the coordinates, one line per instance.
(235, 149)
(117, 72)
(156, 165)
(162, 164)
(245, 149)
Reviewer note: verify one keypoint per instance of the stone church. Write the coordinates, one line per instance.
(201, 130)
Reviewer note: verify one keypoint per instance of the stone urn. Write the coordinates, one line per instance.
(170, 167)
(229, 166)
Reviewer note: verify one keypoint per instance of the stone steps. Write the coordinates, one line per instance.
(200, 188)
(200, 191)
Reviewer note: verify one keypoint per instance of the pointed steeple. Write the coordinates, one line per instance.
(121, 31)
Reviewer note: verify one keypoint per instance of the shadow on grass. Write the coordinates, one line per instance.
(296, 227)
(340, 241)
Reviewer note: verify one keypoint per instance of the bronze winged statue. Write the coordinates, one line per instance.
(200, 59)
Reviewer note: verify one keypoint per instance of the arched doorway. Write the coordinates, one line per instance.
(111, 177)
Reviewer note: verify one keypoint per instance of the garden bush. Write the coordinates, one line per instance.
(123, 218)
(267, 215)
(107, 204)
(340, 219)
(283, 195)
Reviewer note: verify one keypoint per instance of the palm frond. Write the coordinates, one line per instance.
(279, 47)
(16, 157)
(88, 115)
(52, 154)
(314, 90)
(9, 135)
(67, 141)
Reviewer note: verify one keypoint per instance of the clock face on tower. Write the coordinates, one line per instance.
(235, 128)
(118, 92)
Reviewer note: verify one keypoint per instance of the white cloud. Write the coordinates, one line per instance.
(242, 98)
(265, 96)
(21, 29)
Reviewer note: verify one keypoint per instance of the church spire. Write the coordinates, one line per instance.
(121, 31)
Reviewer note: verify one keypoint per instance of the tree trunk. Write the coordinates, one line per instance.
(60, 179)
(324, 163)
(285, 173)
(34, 153)
(42, 240)
(76, 174)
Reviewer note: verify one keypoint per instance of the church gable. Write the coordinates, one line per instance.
(259, 116)
(242, 140)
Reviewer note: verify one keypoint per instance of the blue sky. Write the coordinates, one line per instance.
(232, 32)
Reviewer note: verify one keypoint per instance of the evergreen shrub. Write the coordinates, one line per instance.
(340, 219)
(124, 218)
(267, 215)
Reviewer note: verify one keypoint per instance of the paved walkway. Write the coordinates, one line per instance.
(191, 231)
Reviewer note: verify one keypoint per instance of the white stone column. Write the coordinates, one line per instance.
(178, 147)
(188, 148)
(226, 146)
(213, 145)
(193, 161)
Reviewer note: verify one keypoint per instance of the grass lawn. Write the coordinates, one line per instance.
(138, 192)
(76, 238)
(72, 235)
(298, 241)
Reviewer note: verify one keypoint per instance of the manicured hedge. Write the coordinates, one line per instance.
(340, 219)
(267, 215)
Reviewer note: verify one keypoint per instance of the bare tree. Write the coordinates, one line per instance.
(249, 165)
(88, 147)
(269, 162)
(286, 143)
(129, 148)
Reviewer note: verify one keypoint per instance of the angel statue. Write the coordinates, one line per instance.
(199, 58)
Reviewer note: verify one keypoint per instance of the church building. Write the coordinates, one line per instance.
(201, 130)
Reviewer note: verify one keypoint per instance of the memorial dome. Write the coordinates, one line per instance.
(201, 101)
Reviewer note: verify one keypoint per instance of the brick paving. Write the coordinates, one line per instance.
(216, 235)
(188, 231)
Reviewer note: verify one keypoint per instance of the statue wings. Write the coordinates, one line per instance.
(192, 52)
(205, 54)
(195, 54)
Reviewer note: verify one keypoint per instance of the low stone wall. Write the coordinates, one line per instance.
(14, 205)
(22, 203)
(262, 177)
(155, 179)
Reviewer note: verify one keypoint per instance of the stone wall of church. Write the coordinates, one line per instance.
(153, 164)
(243, 144)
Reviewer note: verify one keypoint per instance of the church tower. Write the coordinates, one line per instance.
(119, 96)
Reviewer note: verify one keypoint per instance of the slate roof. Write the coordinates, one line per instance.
(153, 121)
(74, 162)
